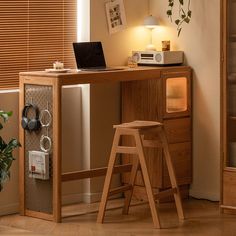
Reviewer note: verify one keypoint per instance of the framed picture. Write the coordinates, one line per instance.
(116, 18)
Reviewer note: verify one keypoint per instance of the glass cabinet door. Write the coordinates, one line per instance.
(176, 95)
(231, 85)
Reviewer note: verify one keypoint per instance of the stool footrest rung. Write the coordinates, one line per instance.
(165, 193)
(144, 134)
(126, 150)
(120, 189)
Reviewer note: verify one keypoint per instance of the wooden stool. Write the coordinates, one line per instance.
(138, 129)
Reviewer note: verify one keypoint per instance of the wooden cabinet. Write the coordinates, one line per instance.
(168, 100)
(228, 106)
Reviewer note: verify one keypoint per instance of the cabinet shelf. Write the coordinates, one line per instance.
(232, 78)
(228, 105)
(233, 118)
(232, 37)
(230, 169)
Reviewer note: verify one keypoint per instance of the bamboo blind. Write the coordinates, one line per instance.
(34, 34)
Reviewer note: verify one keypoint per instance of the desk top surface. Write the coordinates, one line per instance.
(86, 77)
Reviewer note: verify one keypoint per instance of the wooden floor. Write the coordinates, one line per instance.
(203, 219)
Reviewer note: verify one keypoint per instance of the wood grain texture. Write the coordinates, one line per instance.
(141, 100)
(57, 150)
(142, 94)
(40, 215)
(90, 77)
(227, 125)
(21, 151)
(223, 120)
(140, 193)
(134, 129)
(182, 161)
(203, 220)
(25, 80)
(92, 173)
(178, 130)
(147, 182)
(229, 188)
(172, 173)
(147, 100)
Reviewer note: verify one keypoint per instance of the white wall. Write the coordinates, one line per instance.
(117, 47)
(200, 40)
(105, 98)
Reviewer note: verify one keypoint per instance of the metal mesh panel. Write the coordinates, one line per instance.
(38, 193)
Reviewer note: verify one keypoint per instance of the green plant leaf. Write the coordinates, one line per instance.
(189, 13)
(169, 13)
(5, 115)
(187, 20)
(2, 144)
(177, 22)
(184, 13)
(179, 31)
(6, 152)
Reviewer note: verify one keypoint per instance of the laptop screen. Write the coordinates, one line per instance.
(89, 55)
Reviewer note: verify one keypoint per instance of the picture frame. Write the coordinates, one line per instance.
(116, 18)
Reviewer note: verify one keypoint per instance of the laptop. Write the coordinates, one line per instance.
(89, 57)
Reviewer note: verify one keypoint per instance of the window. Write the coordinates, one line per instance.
(33, 34)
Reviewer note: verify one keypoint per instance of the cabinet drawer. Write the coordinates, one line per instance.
(182, 160)
(229, 188)
(178, 130)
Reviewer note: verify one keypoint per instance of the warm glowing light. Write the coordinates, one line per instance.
(83, 20)
(176, 90)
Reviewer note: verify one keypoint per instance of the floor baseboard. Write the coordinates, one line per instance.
(9, 209)
(212, 196)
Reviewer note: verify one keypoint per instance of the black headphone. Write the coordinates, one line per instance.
(32, 124)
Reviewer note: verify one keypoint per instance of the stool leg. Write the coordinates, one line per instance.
(172, 174)
(129, 193)
(147, 182)
(107, 183)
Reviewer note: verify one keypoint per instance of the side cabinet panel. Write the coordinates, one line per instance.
(147, 100)
(141, 100)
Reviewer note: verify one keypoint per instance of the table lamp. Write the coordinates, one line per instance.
(151, 23)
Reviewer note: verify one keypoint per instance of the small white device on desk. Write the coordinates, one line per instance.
(158, 57)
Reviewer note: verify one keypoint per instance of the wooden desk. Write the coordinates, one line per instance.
(40, 81)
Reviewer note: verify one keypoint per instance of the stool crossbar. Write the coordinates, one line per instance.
(139, 130)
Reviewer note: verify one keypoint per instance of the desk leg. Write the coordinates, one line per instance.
(21, 152)
(57, 151)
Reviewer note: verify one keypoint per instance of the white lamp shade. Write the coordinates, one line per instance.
(150, 22)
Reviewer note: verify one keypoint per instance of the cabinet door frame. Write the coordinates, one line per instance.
(169, 75)
(224, 86)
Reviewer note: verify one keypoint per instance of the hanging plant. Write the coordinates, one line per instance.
(184, 13)
(6, 149)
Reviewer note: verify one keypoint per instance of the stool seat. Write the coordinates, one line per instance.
(138, 130)
(139, 124)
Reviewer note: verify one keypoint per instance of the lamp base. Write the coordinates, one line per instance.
(150, 47)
